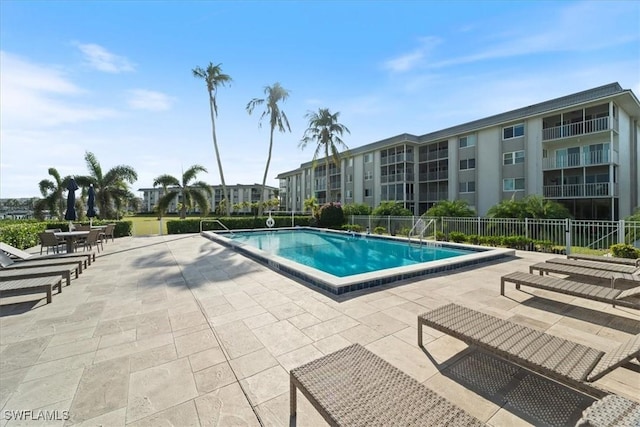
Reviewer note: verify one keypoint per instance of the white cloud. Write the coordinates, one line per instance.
(141, 99)
(413, 59)
(40, 95)
(101, 59)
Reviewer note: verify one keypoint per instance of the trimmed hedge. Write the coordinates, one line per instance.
(183, 226)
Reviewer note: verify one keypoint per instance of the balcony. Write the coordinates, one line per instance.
(585, 127)
(574, 191)
(592, 158)
(434, 176)
(398, 158)
(396, 177)
(434, 195)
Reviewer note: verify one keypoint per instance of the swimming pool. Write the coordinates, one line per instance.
(340, 262)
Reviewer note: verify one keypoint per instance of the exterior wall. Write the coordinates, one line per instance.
(489, 156)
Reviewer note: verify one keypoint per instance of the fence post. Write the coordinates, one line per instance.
(621, 233)
(526, 228)
(478, 233)
(567, 235)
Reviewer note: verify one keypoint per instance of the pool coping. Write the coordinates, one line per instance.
(341, 285)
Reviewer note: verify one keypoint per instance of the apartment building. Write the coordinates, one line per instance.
(581, 150)
(238, 194)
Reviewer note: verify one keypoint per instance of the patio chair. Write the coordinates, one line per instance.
(19, 254)
(628, 298)
(9, 264)
(588, 274)
(611, 411)
(93, 238)
(354, 387)
(610, 259)
(50, 241)
(18, 287)
(618, 268)
(108, 232)
(562, 360)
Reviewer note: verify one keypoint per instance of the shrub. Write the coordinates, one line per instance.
(517, 242)
(474, 239)
(391, 208)
(623, 250)
(182, 226)
(404, 231)
(379, 230)
(331, 215)
(356, 209)
(440, 236)
(544, 245)
(457, 237)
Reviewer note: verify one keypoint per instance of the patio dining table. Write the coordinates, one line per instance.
(70, 238)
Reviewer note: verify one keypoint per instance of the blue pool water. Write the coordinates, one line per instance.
(342, 254)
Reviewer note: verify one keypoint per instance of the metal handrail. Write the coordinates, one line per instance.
(216, 221)
(421, 234)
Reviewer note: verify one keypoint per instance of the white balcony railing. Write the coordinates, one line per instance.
(602, 189)
(574, 129)
(592, 158)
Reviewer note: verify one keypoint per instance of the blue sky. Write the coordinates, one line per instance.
(114, 77)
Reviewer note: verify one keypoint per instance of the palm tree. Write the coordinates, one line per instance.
(52, 191)
(325, 131)
(111, 187)
(214, 77)
(277, 118)
(196, 192)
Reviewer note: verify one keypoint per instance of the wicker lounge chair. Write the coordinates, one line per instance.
(562, 360)
(31, 286)
(20, 254)
(354, 387)
(618, 268)
(611, 411)
(627, 298)
(9, 264)
(29, 273)
(588, 274)
(610, 259)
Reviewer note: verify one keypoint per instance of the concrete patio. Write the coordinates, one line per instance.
(178, 330)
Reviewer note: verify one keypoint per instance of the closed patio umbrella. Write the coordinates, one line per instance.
(91, 211)
(70, 215)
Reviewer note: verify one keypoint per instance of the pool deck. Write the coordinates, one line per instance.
(179, 330)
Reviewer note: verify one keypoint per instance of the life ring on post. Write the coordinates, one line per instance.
(270, 222)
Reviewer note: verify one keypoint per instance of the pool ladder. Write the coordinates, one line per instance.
(215, 221)
(421, 227)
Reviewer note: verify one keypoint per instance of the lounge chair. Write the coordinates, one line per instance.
(610, 259)
(64, 271)
(8, 263)
(627, 298)
(611, 411)
(618, 268)
(20, 254)
(31, 286)
(354, 387)
(588, 274)
(562, 360)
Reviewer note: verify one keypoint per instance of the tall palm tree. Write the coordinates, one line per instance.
(325, 131)
(52, 191)
(214, 77)
(196, 192)
(277, 118)
(111, 187)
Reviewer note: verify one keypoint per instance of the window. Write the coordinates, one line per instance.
(368, 158)
(349, 194)
(350, 161)
(367, 192)
(513, 184)
(467, 187)
(368, 175)
(349, 178)
(467, 164)
(514, 131)
(467, 141)
(513, 158)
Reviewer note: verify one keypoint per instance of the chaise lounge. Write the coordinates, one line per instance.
(354, 387)
(618, 268)
(610, 259)
(627, 298)
(562, 360)
(31, 286)
(587, 274)
(33, 272)
(22, 255)
(9, 264)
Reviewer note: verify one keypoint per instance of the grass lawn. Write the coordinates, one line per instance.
(147, 225)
